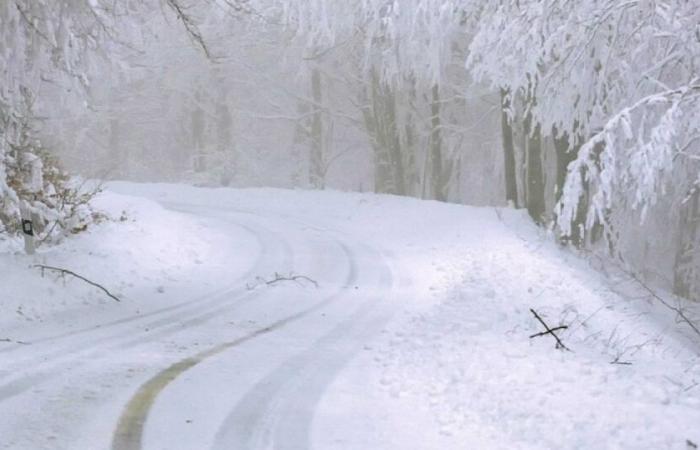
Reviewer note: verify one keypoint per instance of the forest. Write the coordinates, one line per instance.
(586, 114)
(349, 224)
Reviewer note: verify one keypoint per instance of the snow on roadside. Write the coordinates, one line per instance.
(458, 353)
(468, 364)
(146, 255)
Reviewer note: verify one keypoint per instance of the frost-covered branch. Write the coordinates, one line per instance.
(618, 156)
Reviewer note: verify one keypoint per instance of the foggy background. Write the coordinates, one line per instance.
(310, 95)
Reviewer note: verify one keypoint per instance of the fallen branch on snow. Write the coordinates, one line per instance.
(562, 327)
(550, 331)
(280, 278)
(12, 341)
(619, 362)
(64, 272)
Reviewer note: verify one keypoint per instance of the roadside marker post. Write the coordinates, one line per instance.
(28, 231)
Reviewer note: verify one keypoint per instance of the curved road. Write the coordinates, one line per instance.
(235, 368)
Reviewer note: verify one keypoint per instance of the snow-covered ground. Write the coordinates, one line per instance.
(416, 336)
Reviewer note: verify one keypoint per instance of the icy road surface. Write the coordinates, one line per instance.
(408, 328)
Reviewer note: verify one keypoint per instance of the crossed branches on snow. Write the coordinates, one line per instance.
(550, 331)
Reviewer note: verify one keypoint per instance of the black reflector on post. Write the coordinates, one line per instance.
(27, 227)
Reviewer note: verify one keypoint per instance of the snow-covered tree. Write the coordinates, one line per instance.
(610, 90)
(51, 54)
(620, 77)
(44, 46)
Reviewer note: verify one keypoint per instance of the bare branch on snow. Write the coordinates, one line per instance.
(64, 272)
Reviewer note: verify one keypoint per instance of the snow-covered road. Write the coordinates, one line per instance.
(241, 367)
(258, 388)
(408, 329)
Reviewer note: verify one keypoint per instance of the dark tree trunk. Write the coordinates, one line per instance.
(316, 172)
(508, 150)
(225, 148)
(116, 147)
(686, 273)
(394, 139)
(438, 175)
(380, 120)
(565, 155)
(535, 175)
(200, 162)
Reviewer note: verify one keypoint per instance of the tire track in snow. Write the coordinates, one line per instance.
(129, 432)
(192, 303)
(50, 364)
(277, 411)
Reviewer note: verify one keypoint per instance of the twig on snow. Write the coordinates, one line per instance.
(622, 363)
(64, 272)
(550, 331)
(692, 386)
(280, 278)
(12, 341)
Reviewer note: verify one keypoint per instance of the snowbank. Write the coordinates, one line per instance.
(456, 368)
(459, 353)
(144, 254)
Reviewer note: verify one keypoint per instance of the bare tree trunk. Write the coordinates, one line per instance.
(116, 148)
(411, 177)
(393, 139)
(686, 274)
(225, 148)
(301, 134)
(564, 158)
(381, 124)
(565, 155)
(368, 98)
(508, 149)
(536, 206)
(316, 171)
(438, 175)
(200, 164)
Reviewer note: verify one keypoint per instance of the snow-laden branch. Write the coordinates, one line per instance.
(620, 157)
